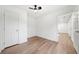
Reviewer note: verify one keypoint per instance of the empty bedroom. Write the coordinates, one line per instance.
(39, 29)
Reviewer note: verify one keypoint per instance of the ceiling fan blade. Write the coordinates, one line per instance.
(30, 8)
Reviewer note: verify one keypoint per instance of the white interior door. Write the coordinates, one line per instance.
(11, 28)
(1, 29)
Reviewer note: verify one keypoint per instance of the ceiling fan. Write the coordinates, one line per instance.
(36, 7)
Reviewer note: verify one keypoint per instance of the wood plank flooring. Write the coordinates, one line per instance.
(38, 45)
(65, 45)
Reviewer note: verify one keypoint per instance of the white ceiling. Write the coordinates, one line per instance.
(46, 9)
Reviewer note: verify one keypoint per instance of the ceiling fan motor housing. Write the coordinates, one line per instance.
(37, 7)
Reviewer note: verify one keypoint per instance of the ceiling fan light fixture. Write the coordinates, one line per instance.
(36, 7)
(39, 7)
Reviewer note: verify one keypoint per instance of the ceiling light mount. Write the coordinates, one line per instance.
(35, 7)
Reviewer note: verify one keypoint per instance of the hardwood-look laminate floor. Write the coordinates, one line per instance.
(38, 45)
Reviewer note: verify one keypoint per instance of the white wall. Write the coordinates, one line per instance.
(31, 26)
(47, 27)
(75, 18)
(1, 30)
(76, 34)
(23, 27)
